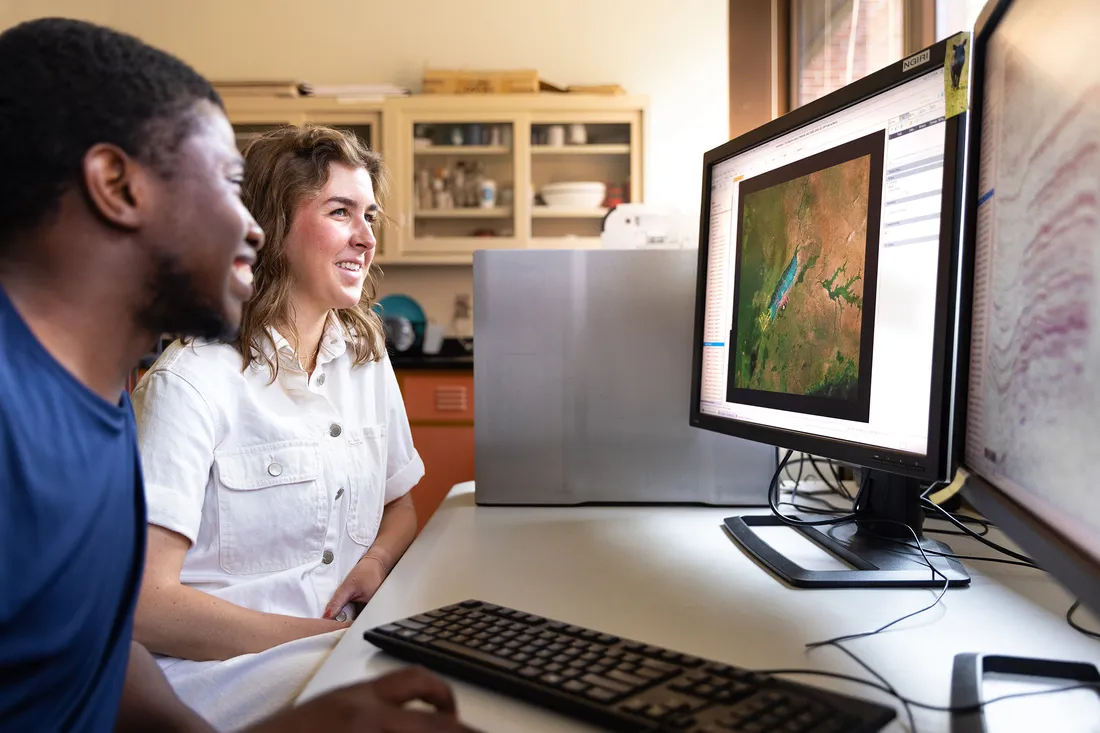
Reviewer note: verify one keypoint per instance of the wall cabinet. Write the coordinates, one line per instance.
(471, 171)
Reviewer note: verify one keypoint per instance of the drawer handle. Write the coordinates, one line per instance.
(450, 399)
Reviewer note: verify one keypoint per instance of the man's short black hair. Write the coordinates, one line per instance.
(66, 85)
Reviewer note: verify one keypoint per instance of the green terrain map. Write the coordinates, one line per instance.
(800, 313)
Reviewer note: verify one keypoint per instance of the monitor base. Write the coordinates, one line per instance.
(876, 563)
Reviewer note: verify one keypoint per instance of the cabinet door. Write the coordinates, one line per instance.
(583, 148)
(448, 455)
(456, 178)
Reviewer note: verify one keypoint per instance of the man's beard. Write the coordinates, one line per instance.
(177, 307)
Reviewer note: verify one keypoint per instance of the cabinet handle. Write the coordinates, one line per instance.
(451, 398)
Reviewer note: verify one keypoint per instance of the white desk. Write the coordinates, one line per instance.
(672, 577)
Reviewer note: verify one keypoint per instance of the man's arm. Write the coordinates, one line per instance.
(148, 702)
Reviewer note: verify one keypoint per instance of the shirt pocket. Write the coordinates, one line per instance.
(368, 484)
(271, 507)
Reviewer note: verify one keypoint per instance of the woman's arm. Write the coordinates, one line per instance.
(395, 533)
(183, 622)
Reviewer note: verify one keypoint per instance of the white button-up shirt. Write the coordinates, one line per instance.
(280, 487)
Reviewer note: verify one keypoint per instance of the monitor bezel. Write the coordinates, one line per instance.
(944, 438)
(1075, 566)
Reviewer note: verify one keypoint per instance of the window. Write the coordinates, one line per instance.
(835, 42)
(953, 16)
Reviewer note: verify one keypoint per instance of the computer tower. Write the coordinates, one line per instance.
(582, 379)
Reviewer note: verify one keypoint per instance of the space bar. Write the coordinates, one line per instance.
(464, 651)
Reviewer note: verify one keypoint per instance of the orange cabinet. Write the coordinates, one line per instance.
(448, 455)
(440, 406)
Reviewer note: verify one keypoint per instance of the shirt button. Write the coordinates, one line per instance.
(339, 493)
(341, 617)
(274, 469)
(320, 379)
(334, 430)
(326, 557)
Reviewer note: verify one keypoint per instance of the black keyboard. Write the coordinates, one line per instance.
(615, 683)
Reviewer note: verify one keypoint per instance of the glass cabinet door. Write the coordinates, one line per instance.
(461, 186)
(580, 167)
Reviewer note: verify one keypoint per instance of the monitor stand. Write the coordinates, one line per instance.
(869, 545)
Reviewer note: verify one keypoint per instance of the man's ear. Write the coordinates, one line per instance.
(117, 185)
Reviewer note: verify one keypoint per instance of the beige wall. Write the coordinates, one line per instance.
(676, 54)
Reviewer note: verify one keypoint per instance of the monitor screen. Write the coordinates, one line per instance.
(1034, 396)
(823, 265)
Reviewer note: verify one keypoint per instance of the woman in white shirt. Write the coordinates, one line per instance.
(277, 466)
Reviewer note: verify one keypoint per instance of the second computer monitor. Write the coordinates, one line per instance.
(830, 278)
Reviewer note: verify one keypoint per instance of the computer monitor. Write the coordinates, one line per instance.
(1034, 396)
(828, 301)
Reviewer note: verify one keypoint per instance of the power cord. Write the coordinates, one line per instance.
(926, 706)
(971, 533)
(774, 498)
(1073, 624)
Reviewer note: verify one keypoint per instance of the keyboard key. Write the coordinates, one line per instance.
(594, 679)
(627, 679)
(650, 674)
(552, 679)
(599, 694)
(661, 666)
(574, 686)
(678, 721)
(607, 639)
(530, 672)
(461, 651)
(470, 604)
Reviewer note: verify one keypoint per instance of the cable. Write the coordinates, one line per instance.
(1073, 624)
(975, 535)
(821, 474)
(926, 706)
(935, 572)
(773, 499)
(885, 682)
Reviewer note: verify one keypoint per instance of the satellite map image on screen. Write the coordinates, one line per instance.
(801, 268)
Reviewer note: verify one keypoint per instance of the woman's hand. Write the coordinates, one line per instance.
(360, 585)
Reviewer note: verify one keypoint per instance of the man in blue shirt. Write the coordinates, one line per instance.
(120, 220)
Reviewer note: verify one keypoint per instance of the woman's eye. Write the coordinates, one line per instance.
(341, 211)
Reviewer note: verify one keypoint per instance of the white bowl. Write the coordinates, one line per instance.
(575, 195)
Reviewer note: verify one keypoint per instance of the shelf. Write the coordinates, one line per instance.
(463, 150)
(569, 242)
(467, 213)
(611, 149)
(555, 212)
(425, 260)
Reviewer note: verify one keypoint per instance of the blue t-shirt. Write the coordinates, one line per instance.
(72, 541)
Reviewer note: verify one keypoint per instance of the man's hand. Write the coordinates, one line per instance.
(375, 707)
(360, 585)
